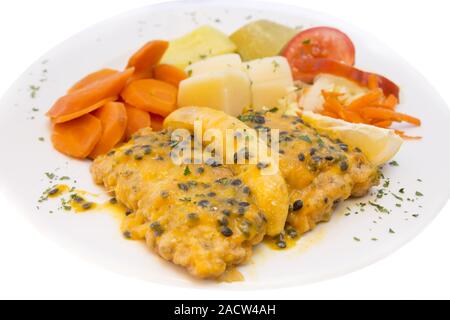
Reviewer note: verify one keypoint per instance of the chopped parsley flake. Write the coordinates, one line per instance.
(394, 164)
(49, 175)
(34, 90)
(187, 171)
(397, 197)
(379, 208)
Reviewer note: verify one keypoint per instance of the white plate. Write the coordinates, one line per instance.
(329, 251)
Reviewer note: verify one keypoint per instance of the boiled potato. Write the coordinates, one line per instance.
(200, 44)
(228, 91)
(261, 39)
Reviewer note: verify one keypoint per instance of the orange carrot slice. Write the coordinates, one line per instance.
(410, 119)
(372, 108)
(113, 117)
(373, 82)
(383, 124)
(353, 117)
(77, 138)
(91, 78)
(366, 100)
(333, 105)
(386, 114)
(84, 101)
(147, 57)
(329, 114)
(380, 114)
(151, 95)
(406, 137)
(157, 122)
(391, 102)
(169, 74)
(137, 119)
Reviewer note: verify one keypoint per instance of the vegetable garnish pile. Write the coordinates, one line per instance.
(108, 106)
(326, 50)
(255, 68)
(372, 108)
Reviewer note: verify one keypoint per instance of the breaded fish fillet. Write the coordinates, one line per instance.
(319, 171)
(201, 217)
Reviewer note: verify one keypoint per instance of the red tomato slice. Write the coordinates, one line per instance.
(313, 67)
(319, 43)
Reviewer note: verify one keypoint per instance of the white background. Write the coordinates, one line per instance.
(33, 267)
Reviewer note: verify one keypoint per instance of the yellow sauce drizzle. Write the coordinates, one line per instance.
(272, 243)
(58, 191)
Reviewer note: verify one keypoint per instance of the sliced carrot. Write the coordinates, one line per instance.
(352, 117)
(380, 114)
(366, 100)
(113, 117)
(406, 137)
(77, 138)
(137, 119)
(332, 104)
(147, 57)
(386, 114)
(151, 95)
(84, 101)
(391, 102)
(383, 124)
(169, 74)
(329, 114)
(372, 82)
(82, 112)
(409, 119)
(157, 122)
(372, 108)
(91, 78)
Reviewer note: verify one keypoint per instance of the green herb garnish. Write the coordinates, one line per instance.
(393, 164)
(379, 208)
(34, 90)
(50, 175)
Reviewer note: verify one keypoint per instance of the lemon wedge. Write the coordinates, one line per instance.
(379, 145)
